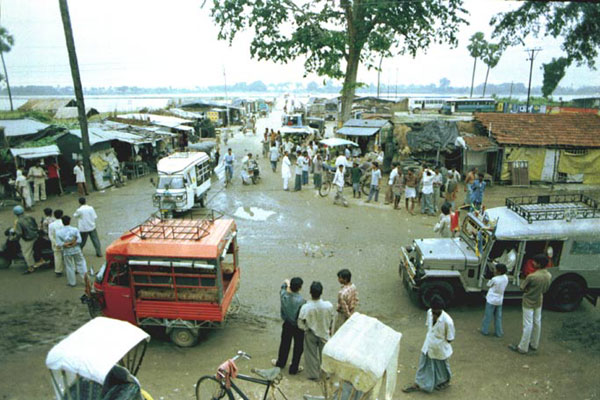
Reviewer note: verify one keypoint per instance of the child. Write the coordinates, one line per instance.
(443, 226)
(493, 301)
(477, 189)
(356, 174)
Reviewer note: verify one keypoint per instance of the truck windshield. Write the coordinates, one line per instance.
(170, 182)
(474, 233)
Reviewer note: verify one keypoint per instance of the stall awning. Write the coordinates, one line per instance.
(36, 152)
(352, 131)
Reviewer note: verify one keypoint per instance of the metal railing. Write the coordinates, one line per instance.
(553, 207)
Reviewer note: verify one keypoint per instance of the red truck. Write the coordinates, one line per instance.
(181, 274)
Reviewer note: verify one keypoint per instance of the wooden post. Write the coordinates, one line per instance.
(85, 140)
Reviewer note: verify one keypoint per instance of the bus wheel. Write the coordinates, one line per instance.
(184, 337)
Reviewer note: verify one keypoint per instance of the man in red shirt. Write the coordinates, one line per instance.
(530, 265)
(54, 178)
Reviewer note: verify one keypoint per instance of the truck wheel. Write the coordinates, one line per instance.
(202, 201)
(184, 337)
(567, 294)
(440, 288)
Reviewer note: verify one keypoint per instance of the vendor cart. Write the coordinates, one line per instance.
(99, 361)
(359, 359)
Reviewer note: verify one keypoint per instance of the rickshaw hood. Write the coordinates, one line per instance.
(94, 349)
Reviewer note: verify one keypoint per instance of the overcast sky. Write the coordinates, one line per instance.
(154, 43)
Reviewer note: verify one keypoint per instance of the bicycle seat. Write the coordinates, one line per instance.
(269, 374)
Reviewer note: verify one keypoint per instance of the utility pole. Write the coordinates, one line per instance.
(85, 139)
(378, 74)
(226, 98)
(396, 91)
(531, 58)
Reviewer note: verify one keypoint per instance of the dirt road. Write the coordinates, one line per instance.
(284, 234)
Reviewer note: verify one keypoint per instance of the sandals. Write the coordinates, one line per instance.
(411, 388)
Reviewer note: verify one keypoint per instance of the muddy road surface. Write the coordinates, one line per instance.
(284, 234)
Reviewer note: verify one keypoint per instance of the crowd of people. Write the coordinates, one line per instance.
(56, 232)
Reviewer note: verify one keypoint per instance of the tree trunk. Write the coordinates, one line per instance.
(7, 84)
(350, 83)
(473, 77)
(85, 140)
(486, 78)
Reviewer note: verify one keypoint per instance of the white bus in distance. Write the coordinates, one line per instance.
(419, 104)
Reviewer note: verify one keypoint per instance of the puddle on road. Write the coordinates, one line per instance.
(253, 213)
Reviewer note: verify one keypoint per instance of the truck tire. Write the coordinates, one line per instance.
(440, 288)
(184, 337)
(566, 294)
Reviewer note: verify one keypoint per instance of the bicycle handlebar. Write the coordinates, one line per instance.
(241, 354)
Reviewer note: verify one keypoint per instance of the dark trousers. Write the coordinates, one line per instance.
(289, 332)
(95, 241)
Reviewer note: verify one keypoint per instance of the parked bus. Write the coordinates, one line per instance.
(425, 103)
(468, 105)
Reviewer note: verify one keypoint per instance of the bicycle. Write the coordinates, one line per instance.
(222, 386)
(328, 182)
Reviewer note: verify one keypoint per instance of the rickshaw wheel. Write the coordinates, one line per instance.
(209, 388)
(365, 187)
(184, 337)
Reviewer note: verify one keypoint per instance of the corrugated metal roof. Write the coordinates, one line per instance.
(21, 127)
(371, 123)
(36, 152)
(47, 104)
(354, 131)
(99, 136)
(161, 120)
(73, 112)
(185, 114)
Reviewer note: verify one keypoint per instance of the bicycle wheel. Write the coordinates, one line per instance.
(324, 189)
(365, 187)
(209, 388)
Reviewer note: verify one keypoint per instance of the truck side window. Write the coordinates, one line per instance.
(119, 275)
(585, 248)
(550, 248)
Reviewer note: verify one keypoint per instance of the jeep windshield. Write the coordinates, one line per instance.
(170, 182)
(474, 231)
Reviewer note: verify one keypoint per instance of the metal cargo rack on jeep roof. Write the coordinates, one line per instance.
(553, 207)
(193, 228)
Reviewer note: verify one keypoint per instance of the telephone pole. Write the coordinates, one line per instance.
(85, 139)
(531, 55)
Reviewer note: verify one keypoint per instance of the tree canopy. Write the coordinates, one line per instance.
(334, 37)
(577, 23)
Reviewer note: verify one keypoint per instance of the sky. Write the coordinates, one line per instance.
(155, 43)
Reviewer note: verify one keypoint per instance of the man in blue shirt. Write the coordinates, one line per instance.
(291, 301)
(68, 239)
(228, 161)
(477, 189)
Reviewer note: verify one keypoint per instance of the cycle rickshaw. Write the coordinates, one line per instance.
(99, 361)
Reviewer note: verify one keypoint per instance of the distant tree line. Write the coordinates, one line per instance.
(327, 87)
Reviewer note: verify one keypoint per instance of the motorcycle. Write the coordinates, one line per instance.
(10, 250)
(254, 171)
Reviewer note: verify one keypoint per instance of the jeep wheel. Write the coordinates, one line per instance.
(566, 295)
(440, 288)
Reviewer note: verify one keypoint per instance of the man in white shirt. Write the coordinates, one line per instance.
(80, 179)
(54, 227)
(493, 301)
(341, 160)
(274, 157)
(434, 369)
(286, 170)
(427, 191)
(338, 183)
(375, 178)
(347, 152)
(87, 225)
(316, 320)
(298, 171)
(38, 174)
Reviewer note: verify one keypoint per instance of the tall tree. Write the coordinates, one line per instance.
(554, 71)
(491, 57)
(335, 37)
(6, 43)
(576, 23)
(476, 47)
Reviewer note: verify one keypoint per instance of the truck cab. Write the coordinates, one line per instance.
(181, 274)
(565, 228)
(184, 180)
